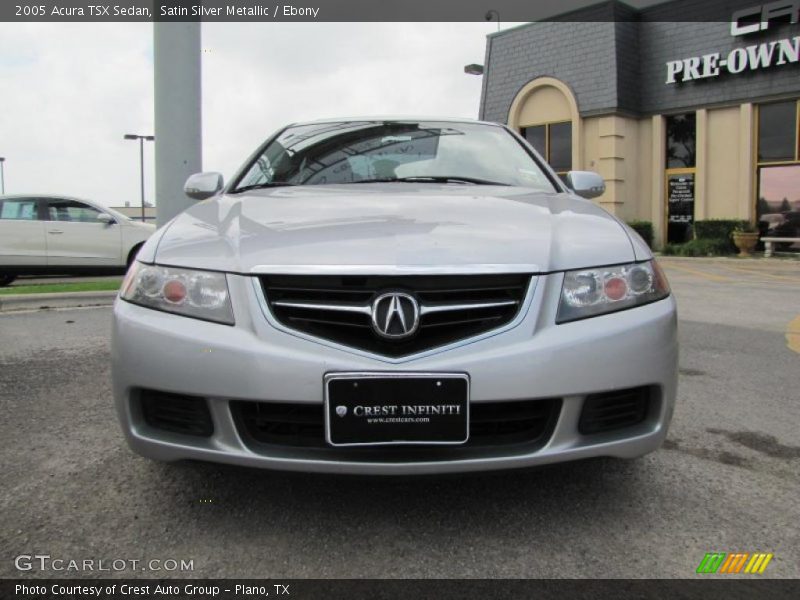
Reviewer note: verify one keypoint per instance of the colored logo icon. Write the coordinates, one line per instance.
(732, 563)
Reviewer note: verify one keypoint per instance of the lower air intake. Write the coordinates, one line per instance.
(177, 413)
(614, 410)
(523, 425)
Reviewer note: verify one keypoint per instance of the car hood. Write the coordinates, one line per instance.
(394, 227)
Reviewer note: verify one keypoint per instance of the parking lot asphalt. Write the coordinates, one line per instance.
(726, 479)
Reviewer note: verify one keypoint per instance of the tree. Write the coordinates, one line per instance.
(785, 206)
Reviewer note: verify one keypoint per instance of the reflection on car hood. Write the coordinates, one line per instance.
(403, 225)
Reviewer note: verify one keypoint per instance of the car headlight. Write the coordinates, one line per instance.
(197, 294)
(592, 292)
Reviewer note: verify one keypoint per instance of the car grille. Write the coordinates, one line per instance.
(501, 427)
(177, 413)
(339, 308)
(614, 410)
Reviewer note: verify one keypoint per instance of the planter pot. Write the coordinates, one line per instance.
(745, 242)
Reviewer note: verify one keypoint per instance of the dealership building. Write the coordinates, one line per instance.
(684, 120)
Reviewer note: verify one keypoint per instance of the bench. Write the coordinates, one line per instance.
(769, 241)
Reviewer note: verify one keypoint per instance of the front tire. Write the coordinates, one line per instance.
(6, 279)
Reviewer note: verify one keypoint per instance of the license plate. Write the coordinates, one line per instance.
(365, 409)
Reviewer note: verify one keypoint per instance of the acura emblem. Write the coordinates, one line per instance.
(395, 315)
(341, 410)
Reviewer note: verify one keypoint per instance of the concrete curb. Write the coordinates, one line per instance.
(63, 300)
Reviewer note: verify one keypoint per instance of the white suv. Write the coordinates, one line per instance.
(56, 234)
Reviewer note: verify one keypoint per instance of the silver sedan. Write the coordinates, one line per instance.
(394, 296)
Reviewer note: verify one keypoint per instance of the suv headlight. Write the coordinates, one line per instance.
(198, 294)
(592, 292)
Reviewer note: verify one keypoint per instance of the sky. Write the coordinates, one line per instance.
(69, 92)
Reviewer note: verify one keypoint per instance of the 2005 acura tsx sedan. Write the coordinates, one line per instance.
(394, 296)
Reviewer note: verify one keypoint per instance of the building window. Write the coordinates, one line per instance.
(537, 137)
(777, 132)
(681, 134)
(554, 142)
(778, 172)
(560, 150)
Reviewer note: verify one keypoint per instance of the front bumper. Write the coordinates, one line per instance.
(255, 361)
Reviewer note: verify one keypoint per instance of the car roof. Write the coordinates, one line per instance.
(46, 196)
(395, 118)
(93, 203)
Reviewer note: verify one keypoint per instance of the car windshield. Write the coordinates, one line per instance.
(398, 151)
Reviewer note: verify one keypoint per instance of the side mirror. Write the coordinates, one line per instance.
(203, 185)
(106, 219)
(586, 184)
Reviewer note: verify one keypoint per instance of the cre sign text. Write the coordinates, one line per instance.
(757, 18)
(749, 58)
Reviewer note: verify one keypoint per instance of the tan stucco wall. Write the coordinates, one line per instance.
(618, 148)
(723, 179)
(657, 183)
(545, 104)
(642, 205)
(629, 154)
(591, 144)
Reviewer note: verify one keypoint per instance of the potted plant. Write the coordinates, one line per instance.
(745, 236)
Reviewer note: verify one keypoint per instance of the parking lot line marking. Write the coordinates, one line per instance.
(793, 334)
(702, 274)
(770, 275)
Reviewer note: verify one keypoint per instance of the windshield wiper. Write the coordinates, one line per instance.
(375, 180)
(259, 186)
(452, 179)
(432, 179)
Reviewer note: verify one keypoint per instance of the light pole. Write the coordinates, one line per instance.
(493, 15)
(141, 138)
(2, 176)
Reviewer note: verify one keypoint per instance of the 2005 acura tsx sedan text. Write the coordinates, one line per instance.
(394, 296)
